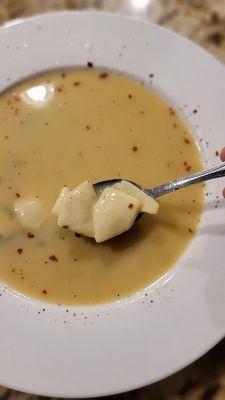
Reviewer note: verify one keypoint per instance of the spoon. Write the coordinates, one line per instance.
(176, 184)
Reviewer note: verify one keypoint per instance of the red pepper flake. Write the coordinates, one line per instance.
(190, 230)
(59, 88)
(188, 168)
(44, 291)
(130, 96)
(17, 98)
(78, 235)
(187, 141)
(53, 258)
(87, 127)
(195, 111)
(130, 205)
(214, 17)
(30, 235)
(185, 163)
(90, 64)
(63, 74)
(13, 270)
(17, 195)
(16, 111)
(171, 111)
(19, 251)
(6, 137)
(103, 75)
(65, 226)
(135, 148)
(217, 153)
(77, 83)
(216, 38)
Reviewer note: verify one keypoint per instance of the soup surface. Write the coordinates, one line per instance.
(63, 128)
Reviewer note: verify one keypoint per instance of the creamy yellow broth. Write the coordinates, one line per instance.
(63, 128)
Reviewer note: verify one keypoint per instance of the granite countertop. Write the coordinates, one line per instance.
(203, 21)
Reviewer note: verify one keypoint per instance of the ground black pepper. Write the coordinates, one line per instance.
(30, 235)
(77, 235)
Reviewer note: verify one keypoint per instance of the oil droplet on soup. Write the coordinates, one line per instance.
(63, 128)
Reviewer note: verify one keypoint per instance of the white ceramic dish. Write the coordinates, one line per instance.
(89, 351)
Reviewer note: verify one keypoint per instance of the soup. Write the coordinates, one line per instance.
(62, 128)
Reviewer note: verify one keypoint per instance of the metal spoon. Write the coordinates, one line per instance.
(176, 184)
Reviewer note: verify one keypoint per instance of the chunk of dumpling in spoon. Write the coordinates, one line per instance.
(148, 204)
(74, 208)
(60, 202)
(114, 213)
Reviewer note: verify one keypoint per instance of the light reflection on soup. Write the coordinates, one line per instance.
(64, 128)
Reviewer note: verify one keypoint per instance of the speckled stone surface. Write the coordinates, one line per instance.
(203, 21)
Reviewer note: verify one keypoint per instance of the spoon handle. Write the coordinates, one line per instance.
(176, 184)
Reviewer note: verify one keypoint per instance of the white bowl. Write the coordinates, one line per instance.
(92, 351)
